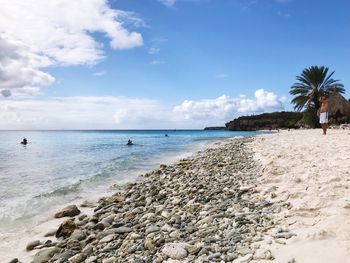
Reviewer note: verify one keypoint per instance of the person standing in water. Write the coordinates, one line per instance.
(24, 141)
(323, 114)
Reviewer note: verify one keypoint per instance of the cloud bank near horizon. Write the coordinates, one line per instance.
(111, 112)
(56, 33)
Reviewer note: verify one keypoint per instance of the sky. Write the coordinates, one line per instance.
(150, 64)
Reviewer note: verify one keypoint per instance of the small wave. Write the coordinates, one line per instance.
(85, 183)
(62, 191)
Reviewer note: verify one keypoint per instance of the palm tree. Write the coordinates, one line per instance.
(313, 83)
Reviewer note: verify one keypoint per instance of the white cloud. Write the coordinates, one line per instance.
(156, 62)
(100, 73)
(153, 50)
(105, 112)
(226, 107)
(168, 3)
(155, 45)
(35, 34)
(19, 69)
(110, 112)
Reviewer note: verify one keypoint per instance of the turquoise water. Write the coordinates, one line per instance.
(57, 167)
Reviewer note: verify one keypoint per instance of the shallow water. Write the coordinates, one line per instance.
(58, 167)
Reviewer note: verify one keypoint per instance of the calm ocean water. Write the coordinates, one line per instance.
(57, 167)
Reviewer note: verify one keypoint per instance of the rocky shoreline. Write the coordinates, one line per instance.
(205, 208)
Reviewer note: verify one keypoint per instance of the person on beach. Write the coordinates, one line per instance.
(323, 114)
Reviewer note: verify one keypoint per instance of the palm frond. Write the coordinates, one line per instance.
(312, 83)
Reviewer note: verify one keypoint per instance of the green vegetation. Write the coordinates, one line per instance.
(313, 83)
(265, 121)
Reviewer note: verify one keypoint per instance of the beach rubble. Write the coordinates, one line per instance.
(205, 208)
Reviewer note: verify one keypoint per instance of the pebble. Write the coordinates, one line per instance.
(45, 255)
(32, 245)
(50, 233)
(174, 251)
(110, 260)
(91, 259)
(123, 230)
(149, 244)
(152, 229)
(78, 258)
(71, 210)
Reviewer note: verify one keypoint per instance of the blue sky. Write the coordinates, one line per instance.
(185, 55)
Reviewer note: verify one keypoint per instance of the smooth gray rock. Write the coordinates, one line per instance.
(50, 233)
(78, 235)
(32, 245)
(152, 229)
(45, 255)
(123, 230)
(78, 258)
(71, 210)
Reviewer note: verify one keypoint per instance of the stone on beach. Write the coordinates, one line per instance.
(66, 228)
(32, 245)
(50, 233)
(152, 229)
(175, 250)
(123, 230)
(78, 235)
(45, 255)
(109, 260)
(71, 210)
(78, 258)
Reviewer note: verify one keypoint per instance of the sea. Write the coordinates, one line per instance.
(60, 167)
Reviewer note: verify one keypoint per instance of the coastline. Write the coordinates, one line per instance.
(14, 243)
(202, 208)
(267, 198)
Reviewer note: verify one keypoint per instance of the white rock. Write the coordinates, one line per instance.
(176, 201)
(134, 236)
(175, 250)
(109, 260)
(165, 214)
(91, 259)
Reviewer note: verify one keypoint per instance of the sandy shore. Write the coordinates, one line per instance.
(312, 172)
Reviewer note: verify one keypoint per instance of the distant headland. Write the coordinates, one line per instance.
(339, 113)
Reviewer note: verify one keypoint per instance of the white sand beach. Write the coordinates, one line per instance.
(312, 172)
